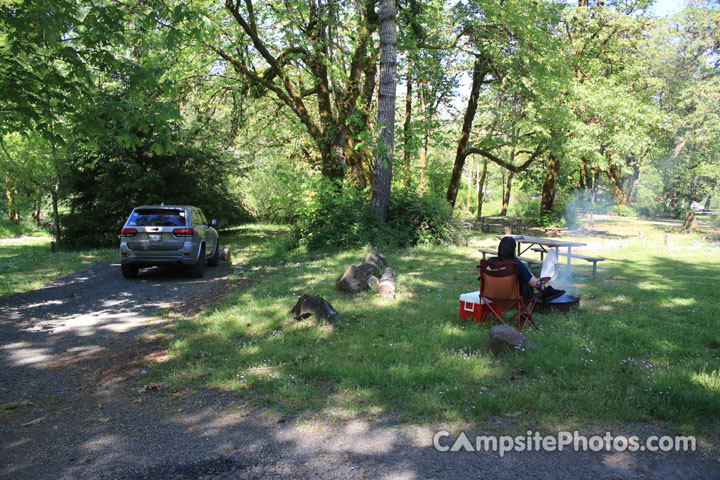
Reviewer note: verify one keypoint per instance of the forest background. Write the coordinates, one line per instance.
(357, 121)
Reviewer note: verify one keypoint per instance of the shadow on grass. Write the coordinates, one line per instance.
(635, 351)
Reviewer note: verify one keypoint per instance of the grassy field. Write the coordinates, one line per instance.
(644, 346)
(26, 263)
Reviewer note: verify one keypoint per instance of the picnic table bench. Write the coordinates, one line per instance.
(515, 224)
(491, 252)
(593, 260)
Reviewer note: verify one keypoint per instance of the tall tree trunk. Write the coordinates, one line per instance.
(382, 178)
(481, 188)
(502, 183)
(10, 194)
(707, 203)
(470, 180)
(407, 147)
(479, 72)
(615, 176)
(424, 146)
(548, 191)
(56, 215)
(632, 184)
(506, 197)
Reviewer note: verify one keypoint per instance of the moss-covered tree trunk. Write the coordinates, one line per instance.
(481, 188)
(547, 199)
(480, 70)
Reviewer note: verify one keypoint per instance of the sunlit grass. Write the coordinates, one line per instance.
(642, 347)
(26, 263)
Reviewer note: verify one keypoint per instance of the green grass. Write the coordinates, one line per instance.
(26, 227)
(26, 263)
(644, 346)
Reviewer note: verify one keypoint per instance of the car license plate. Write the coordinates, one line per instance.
(155, 237)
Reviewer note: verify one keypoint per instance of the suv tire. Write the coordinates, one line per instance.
(215, 259)
(198, 270)
(129, 271)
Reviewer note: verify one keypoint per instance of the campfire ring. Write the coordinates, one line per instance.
(563, 303)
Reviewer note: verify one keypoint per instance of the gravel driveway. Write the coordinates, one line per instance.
(69, 410)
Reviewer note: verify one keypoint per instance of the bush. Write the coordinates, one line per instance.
(526, 208)
(340, 216)
(555, 217)
(105, 183)
(623, 211)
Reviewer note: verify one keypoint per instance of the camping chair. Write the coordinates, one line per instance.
(500, 292)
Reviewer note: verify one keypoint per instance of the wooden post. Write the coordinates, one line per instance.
(667, 238)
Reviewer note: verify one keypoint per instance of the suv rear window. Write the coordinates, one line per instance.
(157, 217)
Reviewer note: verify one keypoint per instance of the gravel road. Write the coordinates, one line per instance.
(69, 410)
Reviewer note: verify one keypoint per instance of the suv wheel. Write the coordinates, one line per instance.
(129, 271)
(198, 270)
(215, 259)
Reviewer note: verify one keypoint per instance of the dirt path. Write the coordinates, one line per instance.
(68, 407)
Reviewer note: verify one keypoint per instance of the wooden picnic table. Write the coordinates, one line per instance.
(514, 223)
(526, 242)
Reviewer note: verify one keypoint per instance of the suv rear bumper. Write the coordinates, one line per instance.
(184, 256)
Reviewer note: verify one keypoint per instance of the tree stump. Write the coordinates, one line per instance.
(386, 288)
(690, 222)
(352, 280)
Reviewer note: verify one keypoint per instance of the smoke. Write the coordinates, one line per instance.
(560, 275)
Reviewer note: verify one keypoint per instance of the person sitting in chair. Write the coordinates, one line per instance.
(506, 251)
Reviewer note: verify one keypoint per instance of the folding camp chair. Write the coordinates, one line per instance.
(500, 292)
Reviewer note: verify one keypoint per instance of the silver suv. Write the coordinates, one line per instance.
(168, 235)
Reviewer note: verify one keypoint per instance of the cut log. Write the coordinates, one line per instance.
(387, 283)
(352, 280)
(309, 305)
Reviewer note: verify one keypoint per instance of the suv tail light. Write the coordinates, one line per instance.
(128, 232)
(183, 232)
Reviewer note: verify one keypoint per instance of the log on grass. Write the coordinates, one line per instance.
(386, 288)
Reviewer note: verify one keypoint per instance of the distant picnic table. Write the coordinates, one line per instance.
(515, 224)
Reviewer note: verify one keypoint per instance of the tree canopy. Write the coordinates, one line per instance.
(267, 101)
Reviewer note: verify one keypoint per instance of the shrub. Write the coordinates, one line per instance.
(340, 216)
(623, 211)
(555, 217)
(525, 207)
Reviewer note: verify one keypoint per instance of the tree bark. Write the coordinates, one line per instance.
(56, 215)
(548, 191)
(615, 176)
(481, 188)
(424, 147)
(506, 197)
(407, 147)
(382, 178)
(480, 70)
(470, 180)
